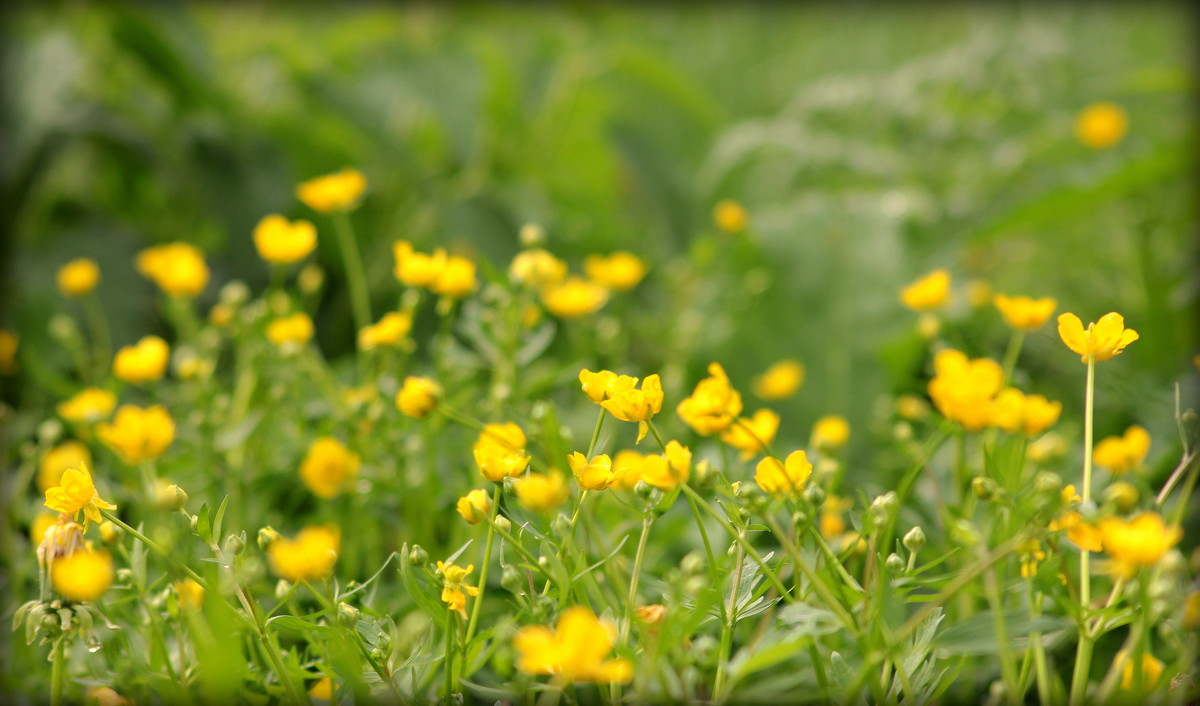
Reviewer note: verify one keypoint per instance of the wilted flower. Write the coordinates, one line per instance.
(418, 396)
(1025, 313)
(783, 479)
(391, 330)
(730, 217)
(670, 469)
(574, 297)
(540, 492)
(74, 492)
(83, 575)
(339, 191)
(311, 555)
(1121, 454)
(144, 362)
(1102, 339)
(138, 434)
(620, 270)
(713, 405)
(1101, 125)
(282, 241)
(328, 467)
(929, 292)
(177, 268)
(1137, 543)
(78, 277)
(474, 506)
(574, 651)
(454, 587)
(500, 451)
(752, 436)
(780, 381)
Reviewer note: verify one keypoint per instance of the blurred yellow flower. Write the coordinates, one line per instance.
(475, 506)
(1137, 543)
(575, 651)
(627, 469)
(979, 293)
(454, 587)
(78, 277)
(831, 524)
(1102, 339)
(670, 469)
(339, 191)
(962, 389)
(290, 332)
(190, 594)
(1025, 313)
(322, 690)
(457, 278)
(391, 330)
(1030, 553)
(620, 270)
(328, 467)
(1191, 611)
(830, 432)
(138, 434)
(1015, 412)
(632, 405)
(281, 241)
(783, 479)
(537, 268)
(1082, 534)
(105, 696)
(83, 575)
(1152, 669)
(596, 474)
(8, 352)
(604, 384)
(1122, 495)
(500, 451)
(68, 454)
(1101, 125)
(414, 269)
(177, 268)
(730, 217)
(1038, 414)
(1121, 454)
(144, 362)
(74, 492)
(311, 555)
(752, 435)
(780, 381)
(912, 407)
(713, 405)
(574, 297)
(88, 405)
(41, 523)
(929, 292)
(540, 492)
(418, 396)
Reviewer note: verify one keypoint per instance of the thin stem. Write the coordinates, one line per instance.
(355, 276)
(647, 520)
(818, 583)
(1010, 355)
(1008, 667)
(97, 322)
(596, 433)
(449, 667)
(486, 564)
(727, 625)
(1083, 654)
(58, 670)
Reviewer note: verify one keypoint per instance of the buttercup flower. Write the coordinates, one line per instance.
(418, 396)
(88, 405)
(730, 217)
(190, 593)
(670, 469)
(574, 297)
(780, 381)
(929, 292)
(831, 524)
(1030, 553)
(83, 575)
(1152, 669)
(282, 241)
(620, 270)
(714, 403)
(414, 269)
(144, 362)
(1102, 339)
(783, 479)
(1038, 414)
(1121, 454)
(630, 405)
(311, 555)
(391, 330)
(1082, 534)
(752, 436)
(177, 268)
(322, 690)
(339, 191)
(1137, 543)
(328, 467)
(575, 650)
(74, 492)
(604, 384)
(627, 469)
(1025, 313)
(830, 432)
(537, 268)
(1101, 125)
(596, 474)
(540, 492)
(962, 389)
(138, 434)
(78, 277)
(105, 696)
(457, 278)
(474, 506)
(68, 454)
(500, 451)
(454, 587)
(291, 332)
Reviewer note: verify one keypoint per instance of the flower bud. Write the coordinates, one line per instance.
(347, 615)
(702, 472)
(503, 523)
(64, 330)
(531, 235)
(964, 532)
(1122, 495)
(902, 431)
(512, 580)
(49, 431)
(693, 563)
(310, 279)
(282, 588)
(914, 541)
(814, 495)
(894, 564)
(984, 488)
(800, 518)
(234, 292)
(418, 556)
(881, 509)
(643, 490)
(169, 497)
(1047, 483)
(235, 543)
(561, 525)
(1189, 418)
(124, 575)
(266, 535)
(544, 563)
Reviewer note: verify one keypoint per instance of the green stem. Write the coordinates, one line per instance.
(355, 276)
(449, 666)
(818, 583)
(595, 434)
(1008, 666)
(727, 625)
(486, 564)
(647, 520)
(1010, 355)
(58, 671)
(1083, 655)
(97, 323)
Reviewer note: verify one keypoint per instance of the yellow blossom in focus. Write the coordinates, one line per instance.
(713, 405)
(457, 278)
(418, 396)
(1152, 669)
(962, 389)
(391, 330)
(830, 432)
(537, 268)
(596, 474)
(144, 362)
(604, 384)
(780, 381)
(74, 492)
(83, 575)
(78, 277)
(752, 436)
(540, 492)
(500, 451)
(627, 469)
(620, 270)
(474, 506)
(281, 241)
(1121, 454)
(575, 651)
(1137, 543)
(8, 352)
(339, 191)
(574, 297)
(138, 434)
(328, 467)
(68, 454)
(1101, 340)
(105, 696)
(291, 332)
(177, 268)
(1025, 313)
(1082, 534)
(783, 479)
(1101, 125)
(414, 269)
(630, 405)
(929, 292)
(311, 555)
(454, 587)
(88, 405)
(669, 469)
(730, 217)
(322, 690)
(190, 593)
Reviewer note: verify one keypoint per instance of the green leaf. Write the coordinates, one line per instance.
(219, 517)
(294, 624)
(977, 635)
(204, 525)
(805, 619)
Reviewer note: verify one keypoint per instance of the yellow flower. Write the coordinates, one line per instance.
(630, 405)
(1122, 495)
(652, 614)
(177, 268)
(1102, 339)
(190, 593)
(1038, 414)
(78, 277)
(138, 434)
(574, 297)
(43, 522)
(328, 467)
(500, 451)
(929, 292)
(783, 479)
(627, 469)
(539, 492)
(620, 270)
(105, 696)
(1191, 611)
(74, 492)
(418, 396)
(752, 436)
(670, 469)
(780, 381)
(1121, 454)
(311, 555)
(912, 407)
(1005, 412)
(537, 268)
(82, 576)
(730, 217)
(604, 384)
(110, 533)
(830, 432)
(457, 278)
(1047, 448)
(282, 241)
(68, 454)
(475, 506)
(963, 389)
(339, 191)
(1152, 670)
(144, 362)
(414, 269)
(88, 405)
(1139, 542)
(8, 352)
(1101, 125)
(291, 332)
(1070, 495)
(322, 690)
(596, 474)
(454, 587)
(1082, 534)
(576, 650)
(831, 523)
(391, 330)
(1025, 313)
(1030, 553)
(714, 403)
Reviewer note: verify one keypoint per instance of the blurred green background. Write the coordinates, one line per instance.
(869, 142)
